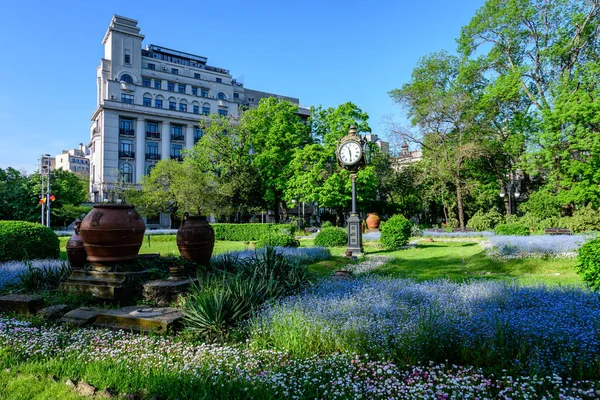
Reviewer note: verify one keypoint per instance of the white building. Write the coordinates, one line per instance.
(149, 103)
(74, 160)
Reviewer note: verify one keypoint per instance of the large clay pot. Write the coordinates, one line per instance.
(112, 234)
(196, 239)
(373, 221)
(75, 250)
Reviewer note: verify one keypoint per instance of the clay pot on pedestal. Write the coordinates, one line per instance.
(112, 234)
(196, 239)
(75, 250)
(373, 221)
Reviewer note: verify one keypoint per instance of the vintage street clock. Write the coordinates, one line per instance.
(351, 156)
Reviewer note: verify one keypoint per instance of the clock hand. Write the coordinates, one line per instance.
(349, 152)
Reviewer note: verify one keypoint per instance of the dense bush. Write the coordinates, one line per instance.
(278, 240)
(27, 240)
(588, 264)
(327, 224)
(396, 232)
(331, 237)
(248, 232)
(583, 220)
(512, 229)
(481, 221)
(534, 222)
(542, 204)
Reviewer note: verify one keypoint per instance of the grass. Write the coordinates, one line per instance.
(29, 386)
(460, 260)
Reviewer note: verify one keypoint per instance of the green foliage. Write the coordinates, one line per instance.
(583, 220)
(27, 240)
(331, 237)
(277, 239)
(40, 279)
(531, 221)
(249, 232)
(588, 263)
(396, 232)
(481, 221)
(326, 224)
(542, 204)
(512, 229)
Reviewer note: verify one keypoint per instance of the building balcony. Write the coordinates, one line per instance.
(178, 137)
(153, 135)
(126, 154)
(177, 157)
(152, 156)
(126, 131)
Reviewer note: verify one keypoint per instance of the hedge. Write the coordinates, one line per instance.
(21, 240)
(250, 232)
(331, 237)
(278, 240)
(511, 229)
(588, 264)
(396, 232)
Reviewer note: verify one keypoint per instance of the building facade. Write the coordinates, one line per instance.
(149, 103)
(74, 160)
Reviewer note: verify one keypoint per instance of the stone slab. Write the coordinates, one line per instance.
(107, 285)
(81, 316)
(165, 292)
(140, 319)
(21, 303)
(53, 312)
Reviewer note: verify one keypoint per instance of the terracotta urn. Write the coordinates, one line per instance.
(373, 221)
(112, 234)
(196, 239)
(75, 250)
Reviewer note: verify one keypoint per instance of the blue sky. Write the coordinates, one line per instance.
(323, 52)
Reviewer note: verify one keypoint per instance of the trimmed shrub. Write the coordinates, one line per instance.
(512, 229)
(278, 240)
(21, 240)
(396, 232)
(481, 221)
(331, 237)
(588, 264)
(250, 232)
(327, 224)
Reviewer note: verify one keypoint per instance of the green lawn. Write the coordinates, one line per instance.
(458, 260)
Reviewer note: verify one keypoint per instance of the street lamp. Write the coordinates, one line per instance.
(45, 167)
(512, 189)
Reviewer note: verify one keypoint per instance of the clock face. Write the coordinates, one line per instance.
(350, 153)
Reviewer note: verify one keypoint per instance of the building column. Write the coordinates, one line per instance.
(140, 150)
(189, 136)
(165, 141)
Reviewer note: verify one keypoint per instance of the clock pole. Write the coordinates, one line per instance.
(354, 231)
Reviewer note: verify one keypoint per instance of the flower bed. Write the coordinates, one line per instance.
(302, 255)
(483, 323)
(535, 246)
(458, 234)
(125, 361)
(10, 270)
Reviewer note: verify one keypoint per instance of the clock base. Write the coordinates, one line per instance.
(354, 235)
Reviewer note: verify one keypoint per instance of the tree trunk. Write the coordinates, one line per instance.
(276, 210)
(283, 206)
(459, 203)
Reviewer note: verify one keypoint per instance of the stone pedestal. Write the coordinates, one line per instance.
(140, 319)
(354, 235)
(118, 286)
(21, 303)
(166, 291)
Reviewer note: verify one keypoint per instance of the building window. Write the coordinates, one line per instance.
(221, 96)
(126, 127)
(205, 110)
(158, 103)
(181, 88)
(177, 152)
(157, 84)
(196, 75)
(152, 151)
(177, 132)
(126, 172)
(223, 112)
(182, 107)
(196, 109)
(175, 71)
(236, 95)
(152, 131)
(150, 168)
(126, 78)
(151, 66)
(147, 102)
(172, 105)
(170, 86)
(198, 133)
(195, 91)
(127, 59)
(219, 80)
(126, 148)
(146, 82)
(126, 98)
(204, 92)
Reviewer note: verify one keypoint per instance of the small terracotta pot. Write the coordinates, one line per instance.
(112, 234)
(196, 239)
(75, 250)
(373, 221)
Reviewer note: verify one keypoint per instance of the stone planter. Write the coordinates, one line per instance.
(196, 239)
(373, 222)
(112, 234)
(75, 250)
